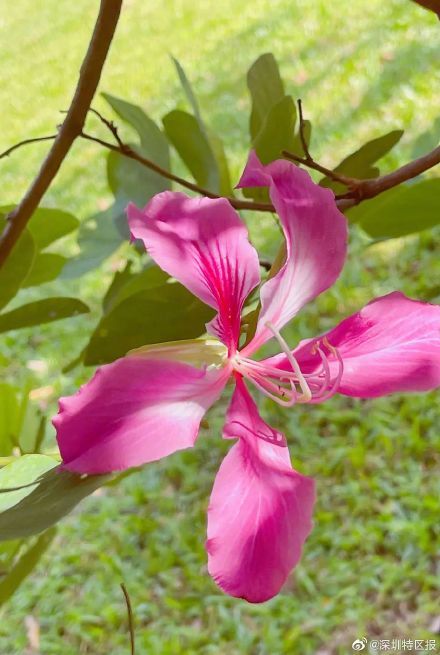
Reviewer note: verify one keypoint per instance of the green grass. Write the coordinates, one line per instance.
(368, 567)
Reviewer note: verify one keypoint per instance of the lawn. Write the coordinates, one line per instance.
(368, 568)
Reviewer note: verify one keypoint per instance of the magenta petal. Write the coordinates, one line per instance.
(316, 240)
(134, 411)
(391, 345)
(260, 510)
(204, 244)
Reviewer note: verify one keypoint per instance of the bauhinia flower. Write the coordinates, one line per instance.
(150, 403)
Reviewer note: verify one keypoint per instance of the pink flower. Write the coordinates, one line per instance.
(149, 404)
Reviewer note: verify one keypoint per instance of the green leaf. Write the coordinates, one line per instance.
(21, 422)
(120, 279)
(149, 278)
(427, 140)
(48, 225)
(360, 163)
(46, 267)
(186, 135)
(400, 211)
(266, 88)
(218, 150)
(162, 312)
(153, 143)
(125, 284)
(277, 131)
(35, 493)
(41, 311)
(128, 179)
(188, 91)
(297, 146)
(25, 565)
(214, 141)
(276, 134)
(98, 238)
(9, 414)
(17, 266)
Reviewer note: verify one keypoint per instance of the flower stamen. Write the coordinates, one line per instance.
(306, 393)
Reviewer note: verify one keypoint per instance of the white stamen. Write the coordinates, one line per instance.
(307, 394)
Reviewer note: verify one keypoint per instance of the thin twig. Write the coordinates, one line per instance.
(110, 125)
(308, 160)
(72, 126)
(311, 163)
(130, 618)
(360, 189)
(302, 133)
(128, 151)
(10, 150)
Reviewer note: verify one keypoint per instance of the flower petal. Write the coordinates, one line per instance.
(134, 411)
(203, 243)
(316, 241)
(260, 510)
(389, 346)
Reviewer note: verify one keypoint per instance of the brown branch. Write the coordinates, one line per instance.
(360, 189)
(311, 163)
(130, 618)
(10, 150)
(365, 189)
(109, 125)
(433, 5)
(72, 126)
(128, 151)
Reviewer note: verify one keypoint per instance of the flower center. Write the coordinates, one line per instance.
(288, 387)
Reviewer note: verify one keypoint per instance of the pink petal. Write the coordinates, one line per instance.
(204, 244)
(260, 510)
(316, 240)
(134, 411)
(391, 345)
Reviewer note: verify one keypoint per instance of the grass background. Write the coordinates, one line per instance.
(369, 565)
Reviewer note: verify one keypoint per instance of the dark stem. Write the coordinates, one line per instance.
(72, 126)
(10, 150)
(365, 189)
(302, 133)
(308, 160)
(359, 190)
(128, 151)
(130, 618)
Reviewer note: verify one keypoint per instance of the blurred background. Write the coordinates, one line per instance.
(369, 566)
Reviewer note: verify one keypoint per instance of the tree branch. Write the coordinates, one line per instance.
(128, 151)
(72, 126)
(365, 189)
(360, 189)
